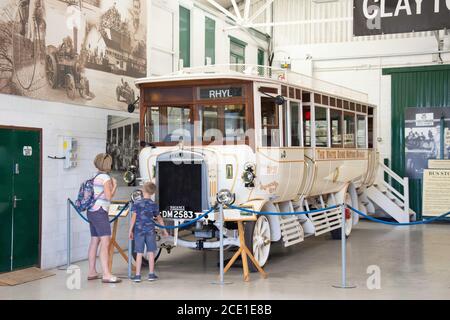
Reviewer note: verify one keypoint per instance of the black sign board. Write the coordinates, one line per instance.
(220, 93)
(374, 17)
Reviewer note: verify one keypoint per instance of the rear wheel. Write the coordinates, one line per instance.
(336, 234)
(257, 239)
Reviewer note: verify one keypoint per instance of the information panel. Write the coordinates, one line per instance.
(436, 191)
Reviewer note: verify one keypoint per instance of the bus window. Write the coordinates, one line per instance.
(269, 123)
(222, 123)
(235, 122)
(349, 130)
(307, 126)
(168, 124)
(211, 126)
(321, 127)
(361, 131)
(336, 128)
(295, 124)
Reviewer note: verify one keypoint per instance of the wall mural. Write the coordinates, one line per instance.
(74, 51)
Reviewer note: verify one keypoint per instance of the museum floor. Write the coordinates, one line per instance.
(414, 264)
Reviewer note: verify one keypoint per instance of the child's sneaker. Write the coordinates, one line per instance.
(136, 278)
(152, 277)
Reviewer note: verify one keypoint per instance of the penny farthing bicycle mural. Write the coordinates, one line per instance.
(28, 41)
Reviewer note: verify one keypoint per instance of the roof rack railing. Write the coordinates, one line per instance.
(284, 75)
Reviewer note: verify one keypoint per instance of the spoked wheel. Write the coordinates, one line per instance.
(70, 86)
(257, 238)
(336, 234)
(51, 71)
(83, 90)
(25, 47)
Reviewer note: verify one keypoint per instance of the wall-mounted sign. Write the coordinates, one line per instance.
(373, 17)
(424, 119)
(27, 151)
(219, 93)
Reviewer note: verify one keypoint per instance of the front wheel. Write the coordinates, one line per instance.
(257, 239)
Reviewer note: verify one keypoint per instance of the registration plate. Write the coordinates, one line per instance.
(178, 214)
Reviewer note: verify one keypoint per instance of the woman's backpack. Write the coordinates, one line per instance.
(86, 197)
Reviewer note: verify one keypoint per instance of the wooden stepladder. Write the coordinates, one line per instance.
(244, 252)
(114, 209)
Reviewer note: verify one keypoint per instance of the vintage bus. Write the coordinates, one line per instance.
(279, 141)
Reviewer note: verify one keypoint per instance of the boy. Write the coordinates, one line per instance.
(142, 221)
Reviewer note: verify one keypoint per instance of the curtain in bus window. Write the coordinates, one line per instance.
(321, 127)
(307, 126)
(295, 124)
(349, 130)
(336, 128)
(361, 134)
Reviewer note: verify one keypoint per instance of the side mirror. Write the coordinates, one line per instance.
(131, 108)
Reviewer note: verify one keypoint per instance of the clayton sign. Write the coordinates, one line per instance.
(374, 17)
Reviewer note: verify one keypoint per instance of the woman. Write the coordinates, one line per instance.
(104, 189)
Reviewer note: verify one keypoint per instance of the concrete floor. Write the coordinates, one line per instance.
(414, 264)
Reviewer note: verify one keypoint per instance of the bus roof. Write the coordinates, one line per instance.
(257, 73)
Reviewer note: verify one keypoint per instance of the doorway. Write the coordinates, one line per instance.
(20, 197)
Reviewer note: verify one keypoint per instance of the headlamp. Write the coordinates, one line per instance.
(225, 197)
(136, 195)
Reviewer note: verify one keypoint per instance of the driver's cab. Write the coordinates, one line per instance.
(197, 115)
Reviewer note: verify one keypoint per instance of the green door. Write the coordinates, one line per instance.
(19, 198)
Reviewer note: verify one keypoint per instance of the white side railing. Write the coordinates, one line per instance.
(401, 197)
(284, 75)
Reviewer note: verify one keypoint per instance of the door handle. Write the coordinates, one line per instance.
(15, 199)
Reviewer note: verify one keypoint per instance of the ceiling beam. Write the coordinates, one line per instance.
(260, 10)
(236, 10)
(223, 10)
(247, 9)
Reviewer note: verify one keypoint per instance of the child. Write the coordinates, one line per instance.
(142, 221)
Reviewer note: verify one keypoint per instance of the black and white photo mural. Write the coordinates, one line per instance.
(123, 142)
(427, 137)
(85, 52)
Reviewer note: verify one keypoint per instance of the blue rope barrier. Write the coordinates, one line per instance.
(85, 219)
(398, 223)
(283, 213)
(186, 224)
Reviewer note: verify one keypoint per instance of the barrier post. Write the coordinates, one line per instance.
(130, 249)
(221, 263)
(344, 284)
(69, 227)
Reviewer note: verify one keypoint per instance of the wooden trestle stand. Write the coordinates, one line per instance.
(114, 209)
(244, 251)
